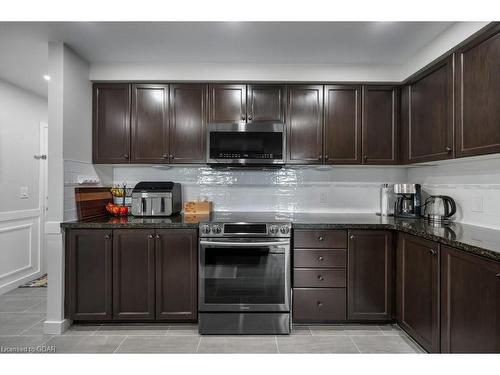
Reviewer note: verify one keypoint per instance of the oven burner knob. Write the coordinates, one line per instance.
(284, 229)
(205, 229)
(273, 229)
(216, 229)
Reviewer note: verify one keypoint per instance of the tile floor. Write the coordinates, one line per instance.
(22, 312)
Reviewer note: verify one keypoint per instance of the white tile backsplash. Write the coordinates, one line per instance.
(347, 189)
(474, 183)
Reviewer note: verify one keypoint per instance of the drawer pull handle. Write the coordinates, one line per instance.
(320, 238)
(320, 258)
(320, 278)
(432, 252)
(151, 236)
(352, 237)
(107, 237)
(320, 304)
(498, 275)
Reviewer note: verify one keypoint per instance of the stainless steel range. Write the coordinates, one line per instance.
(244, 275)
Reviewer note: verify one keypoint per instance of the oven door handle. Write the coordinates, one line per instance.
(243, 244)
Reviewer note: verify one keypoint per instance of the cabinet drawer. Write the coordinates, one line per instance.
(319, 305)
(319, 278)
(320, 239)
(320, 258)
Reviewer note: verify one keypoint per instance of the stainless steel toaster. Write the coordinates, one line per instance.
(156, 199)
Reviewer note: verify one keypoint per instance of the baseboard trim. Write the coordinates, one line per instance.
(54, 327)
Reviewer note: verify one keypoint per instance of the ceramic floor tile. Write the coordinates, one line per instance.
(238, 344)
(85, 344)
(345, 330)
(15, 323)
(134, 330)
(183, 330)
(382, 344)
(35, 330)
(41, 307)
(39, 292)
(158, 344)
(316, 344)
(23, 344)
(18, 303)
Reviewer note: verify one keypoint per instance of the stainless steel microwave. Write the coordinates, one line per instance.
(250, 144)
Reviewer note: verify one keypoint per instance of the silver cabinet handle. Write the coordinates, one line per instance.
(351, 237)
(107, 237)
(125, 156)
(157, 237)
(243, 244)
(320, 278)
(320, 258)
(319, 303)
(320, 238)
(498, 275)
(432, 252)
(151, 236)
(448, 149)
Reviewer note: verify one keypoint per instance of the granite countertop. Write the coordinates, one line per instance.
(472, 239)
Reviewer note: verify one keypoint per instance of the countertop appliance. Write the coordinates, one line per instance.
(156, 198)
(253, 144)
(244, 276)
(408, 202)
(439, 208)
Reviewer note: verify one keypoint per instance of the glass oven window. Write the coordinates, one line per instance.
(246, 145)
(244, 276)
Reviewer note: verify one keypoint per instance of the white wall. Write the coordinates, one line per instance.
(70, 144)
(20, 247)
(474, 183)
(307, 189)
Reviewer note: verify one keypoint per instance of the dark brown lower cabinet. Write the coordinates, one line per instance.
(176, 274)
(417, 290)
(133, 274)
(470, 303)
(369, 269)
(319, 305)
(88, 274)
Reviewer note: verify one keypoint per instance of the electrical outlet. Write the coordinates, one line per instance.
(24, 193)
(477, 203)
(323, 198)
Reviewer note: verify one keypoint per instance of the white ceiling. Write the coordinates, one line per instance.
(23, 46)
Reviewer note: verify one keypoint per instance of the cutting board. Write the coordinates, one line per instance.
(91, 202)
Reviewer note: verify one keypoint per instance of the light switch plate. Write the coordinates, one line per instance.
(323, 198)
(24, 192)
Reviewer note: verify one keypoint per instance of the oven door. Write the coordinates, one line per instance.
(244, 275)
(244, 144)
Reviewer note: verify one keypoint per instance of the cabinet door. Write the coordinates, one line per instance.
(133, 274)
(227, 103)
(470, 303)
(342, 124)
(176, 274)
(88, 274)
(150, 131)
(428, 114)
(304, 124)
(370, 262)
(417, 288)
(380, 124)
(266, 103)
(111, 123)
(477, 85)
(188, 111)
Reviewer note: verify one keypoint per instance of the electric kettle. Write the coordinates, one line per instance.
(439, 208)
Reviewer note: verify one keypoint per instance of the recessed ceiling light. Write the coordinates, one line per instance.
(46, 77)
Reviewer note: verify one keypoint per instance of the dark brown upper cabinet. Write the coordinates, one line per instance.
(342, 135)
(380, 124)
(470, 303)
(111, 123)
(176, 274)
(133, 274)
(369, 285)
(417, 290)
(188, 119)
(150, 124)
(266, 103)
(427, 114)
(477, 93)
(305, 124)
(227, 103)
(89, 274)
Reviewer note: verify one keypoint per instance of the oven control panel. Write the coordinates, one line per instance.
(245, 230)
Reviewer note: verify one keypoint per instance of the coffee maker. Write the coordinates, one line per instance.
(408, 201)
